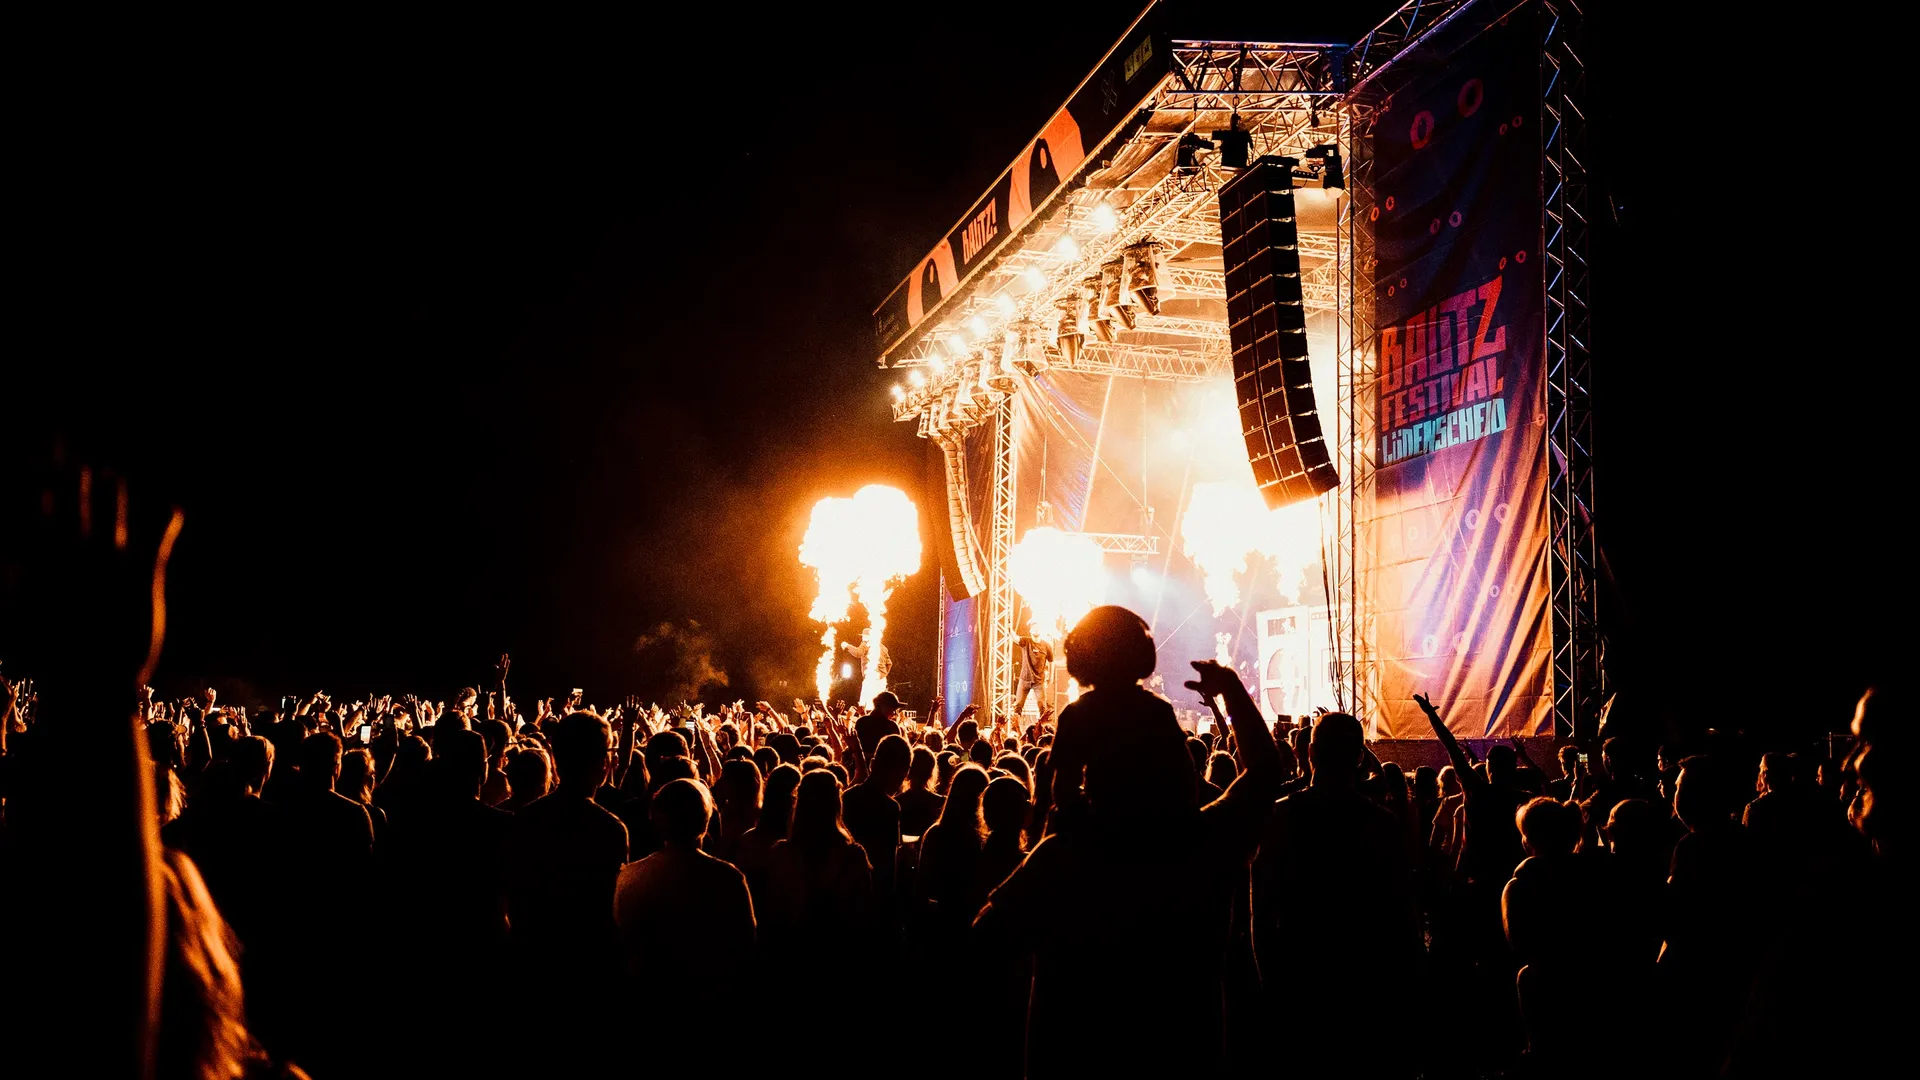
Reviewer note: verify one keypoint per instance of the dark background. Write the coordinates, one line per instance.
(463, 338)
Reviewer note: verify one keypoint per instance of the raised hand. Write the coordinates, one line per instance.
(1426, 706)
(1216, 679)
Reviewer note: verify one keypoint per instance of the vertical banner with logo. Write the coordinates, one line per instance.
(1459, 546)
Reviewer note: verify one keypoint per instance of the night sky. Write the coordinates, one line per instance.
(461, 339)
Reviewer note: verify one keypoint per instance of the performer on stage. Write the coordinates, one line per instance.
(859, 652)
(1036, 659)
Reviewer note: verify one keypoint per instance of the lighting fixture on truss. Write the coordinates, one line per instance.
(1140, 264)
(1235, 144)
(1071, 332)
(1333, 175)
(1116, 303)
(1090, 292)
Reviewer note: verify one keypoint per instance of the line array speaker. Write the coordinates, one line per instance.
(1267, 325)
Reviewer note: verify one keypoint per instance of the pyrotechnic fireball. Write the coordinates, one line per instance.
(859, 548)
(1059, 575)
(1228, 524)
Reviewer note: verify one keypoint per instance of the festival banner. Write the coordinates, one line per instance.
(1459, 544)
(1053, 162)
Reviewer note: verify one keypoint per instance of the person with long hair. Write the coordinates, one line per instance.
(949, 859)
(819, 880)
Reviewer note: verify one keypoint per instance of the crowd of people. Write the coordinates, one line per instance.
(403, 887)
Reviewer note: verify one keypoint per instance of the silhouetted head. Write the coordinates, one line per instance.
(962, 810)
(740, 786)
(1548, 827)
(529, 774)
(252, 759)
(787, 745)
(936, 741)
(1569, 759)
(356, 775)
(891, 760)
(166, 743)
(1501, 762)
(681, 811)
(412, 753)
(1638, 828)
(460, 764)
(776, 806)
(1005, 806)
(666, 744)
(817, 825)
(667, 770)
(885, 704)
(1775, 773)
(1610, 757)
(496, 733)
(1426, 784)
(1880, 717)
(1335, 750)
(920, 773)
(1220, 769)
(320, 759)
(580, 751)
(1110, 646)
(1015, 766)
(1197, 750)
(1393, 780)
(1449, 781)
(767, 758)
(980, 753)
(966, 733)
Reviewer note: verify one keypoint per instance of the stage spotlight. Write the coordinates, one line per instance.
(917, 378)
(1004, 305)
(1071, 332)
(1066, 247)
(1333, 175)
(937, 364)
(1104, 219)
(899, 392)
(977, 326)
(1234, 143)
(1090, 293)
(1142, 267)
(1025, 353)
(1115, 301)
(846, 671)
(1187, 154)
(1033, 278)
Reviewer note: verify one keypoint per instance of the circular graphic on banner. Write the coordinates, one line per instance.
(1520, 256)
(1472, 96)
(1420, 132)
(1503, 262)
(1453, 219)
(1373, 213)
(1500, 513)
(1389, 202)
(1434, 229)
(1516, 120)
(1503, 129)
(1428, 644)
(1473, 518)
(1493, 590)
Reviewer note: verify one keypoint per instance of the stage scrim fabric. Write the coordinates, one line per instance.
(1459, 545)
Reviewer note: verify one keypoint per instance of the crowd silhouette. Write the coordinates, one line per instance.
(400, 887)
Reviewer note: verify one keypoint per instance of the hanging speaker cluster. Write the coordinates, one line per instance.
(1267, 326)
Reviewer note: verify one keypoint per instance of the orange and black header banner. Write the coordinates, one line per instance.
(1054, 161)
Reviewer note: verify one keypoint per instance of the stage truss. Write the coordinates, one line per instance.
(1290, 98)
